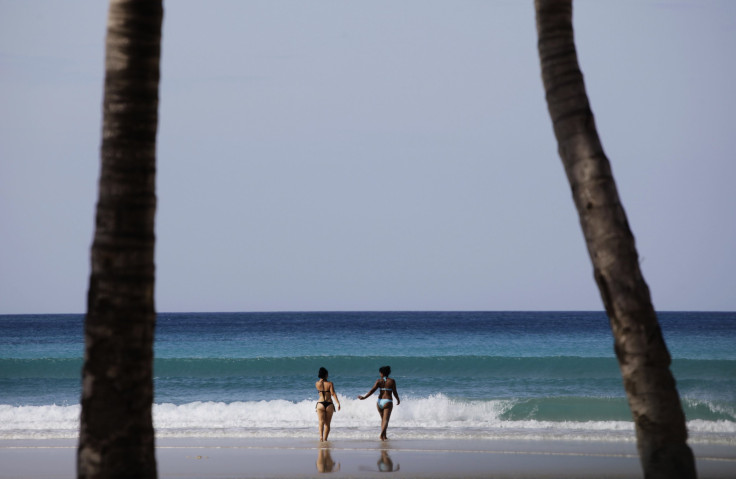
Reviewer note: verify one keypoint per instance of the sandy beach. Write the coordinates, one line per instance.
(303, 458)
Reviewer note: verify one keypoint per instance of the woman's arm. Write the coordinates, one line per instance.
(396, 393)
(373, 389)
(334, 394)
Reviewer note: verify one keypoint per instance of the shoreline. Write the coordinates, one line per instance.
(418, 458)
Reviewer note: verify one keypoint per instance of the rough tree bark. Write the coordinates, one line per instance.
(116, 437)
(640, 348)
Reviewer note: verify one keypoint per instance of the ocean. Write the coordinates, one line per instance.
(485, 375)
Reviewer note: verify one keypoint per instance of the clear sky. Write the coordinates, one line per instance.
(380, 155)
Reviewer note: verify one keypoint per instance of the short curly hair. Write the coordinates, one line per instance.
(322, 373)
(385, 371)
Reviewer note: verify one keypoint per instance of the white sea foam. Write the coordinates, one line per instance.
(434, 417)
(38, 422)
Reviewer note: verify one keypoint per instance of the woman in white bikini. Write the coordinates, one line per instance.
(385, 404)
(325, 407)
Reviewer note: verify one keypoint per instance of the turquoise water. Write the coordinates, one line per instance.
(463, 374)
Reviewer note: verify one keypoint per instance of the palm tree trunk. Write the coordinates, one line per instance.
(640, 348)
(116, 437)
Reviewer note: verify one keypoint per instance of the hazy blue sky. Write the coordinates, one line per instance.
(380, 155)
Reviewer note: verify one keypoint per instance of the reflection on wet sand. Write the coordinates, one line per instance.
(325, 463)
(384, 464)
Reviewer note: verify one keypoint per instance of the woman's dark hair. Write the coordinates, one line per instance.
(385, 371)
(322, 373)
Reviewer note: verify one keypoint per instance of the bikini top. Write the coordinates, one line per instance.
(326, 392)
(384, 383)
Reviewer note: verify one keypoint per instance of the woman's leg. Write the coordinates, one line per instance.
(384, 420)
(321, 419)
(380, 413)
(328, 419)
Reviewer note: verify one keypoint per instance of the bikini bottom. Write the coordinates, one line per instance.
(383, 402)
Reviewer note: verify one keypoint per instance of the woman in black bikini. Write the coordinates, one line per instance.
(325, 407)
(385, 398)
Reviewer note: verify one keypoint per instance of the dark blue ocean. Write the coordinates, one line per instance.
(459, 374)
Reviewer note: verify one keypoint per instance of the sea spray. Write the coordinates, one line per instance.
(434, 417)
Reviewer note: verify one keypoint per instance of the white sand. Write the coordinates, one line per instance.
(300, 458)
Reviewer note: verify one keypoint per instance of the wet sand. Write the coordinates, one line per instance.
(407, 458)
